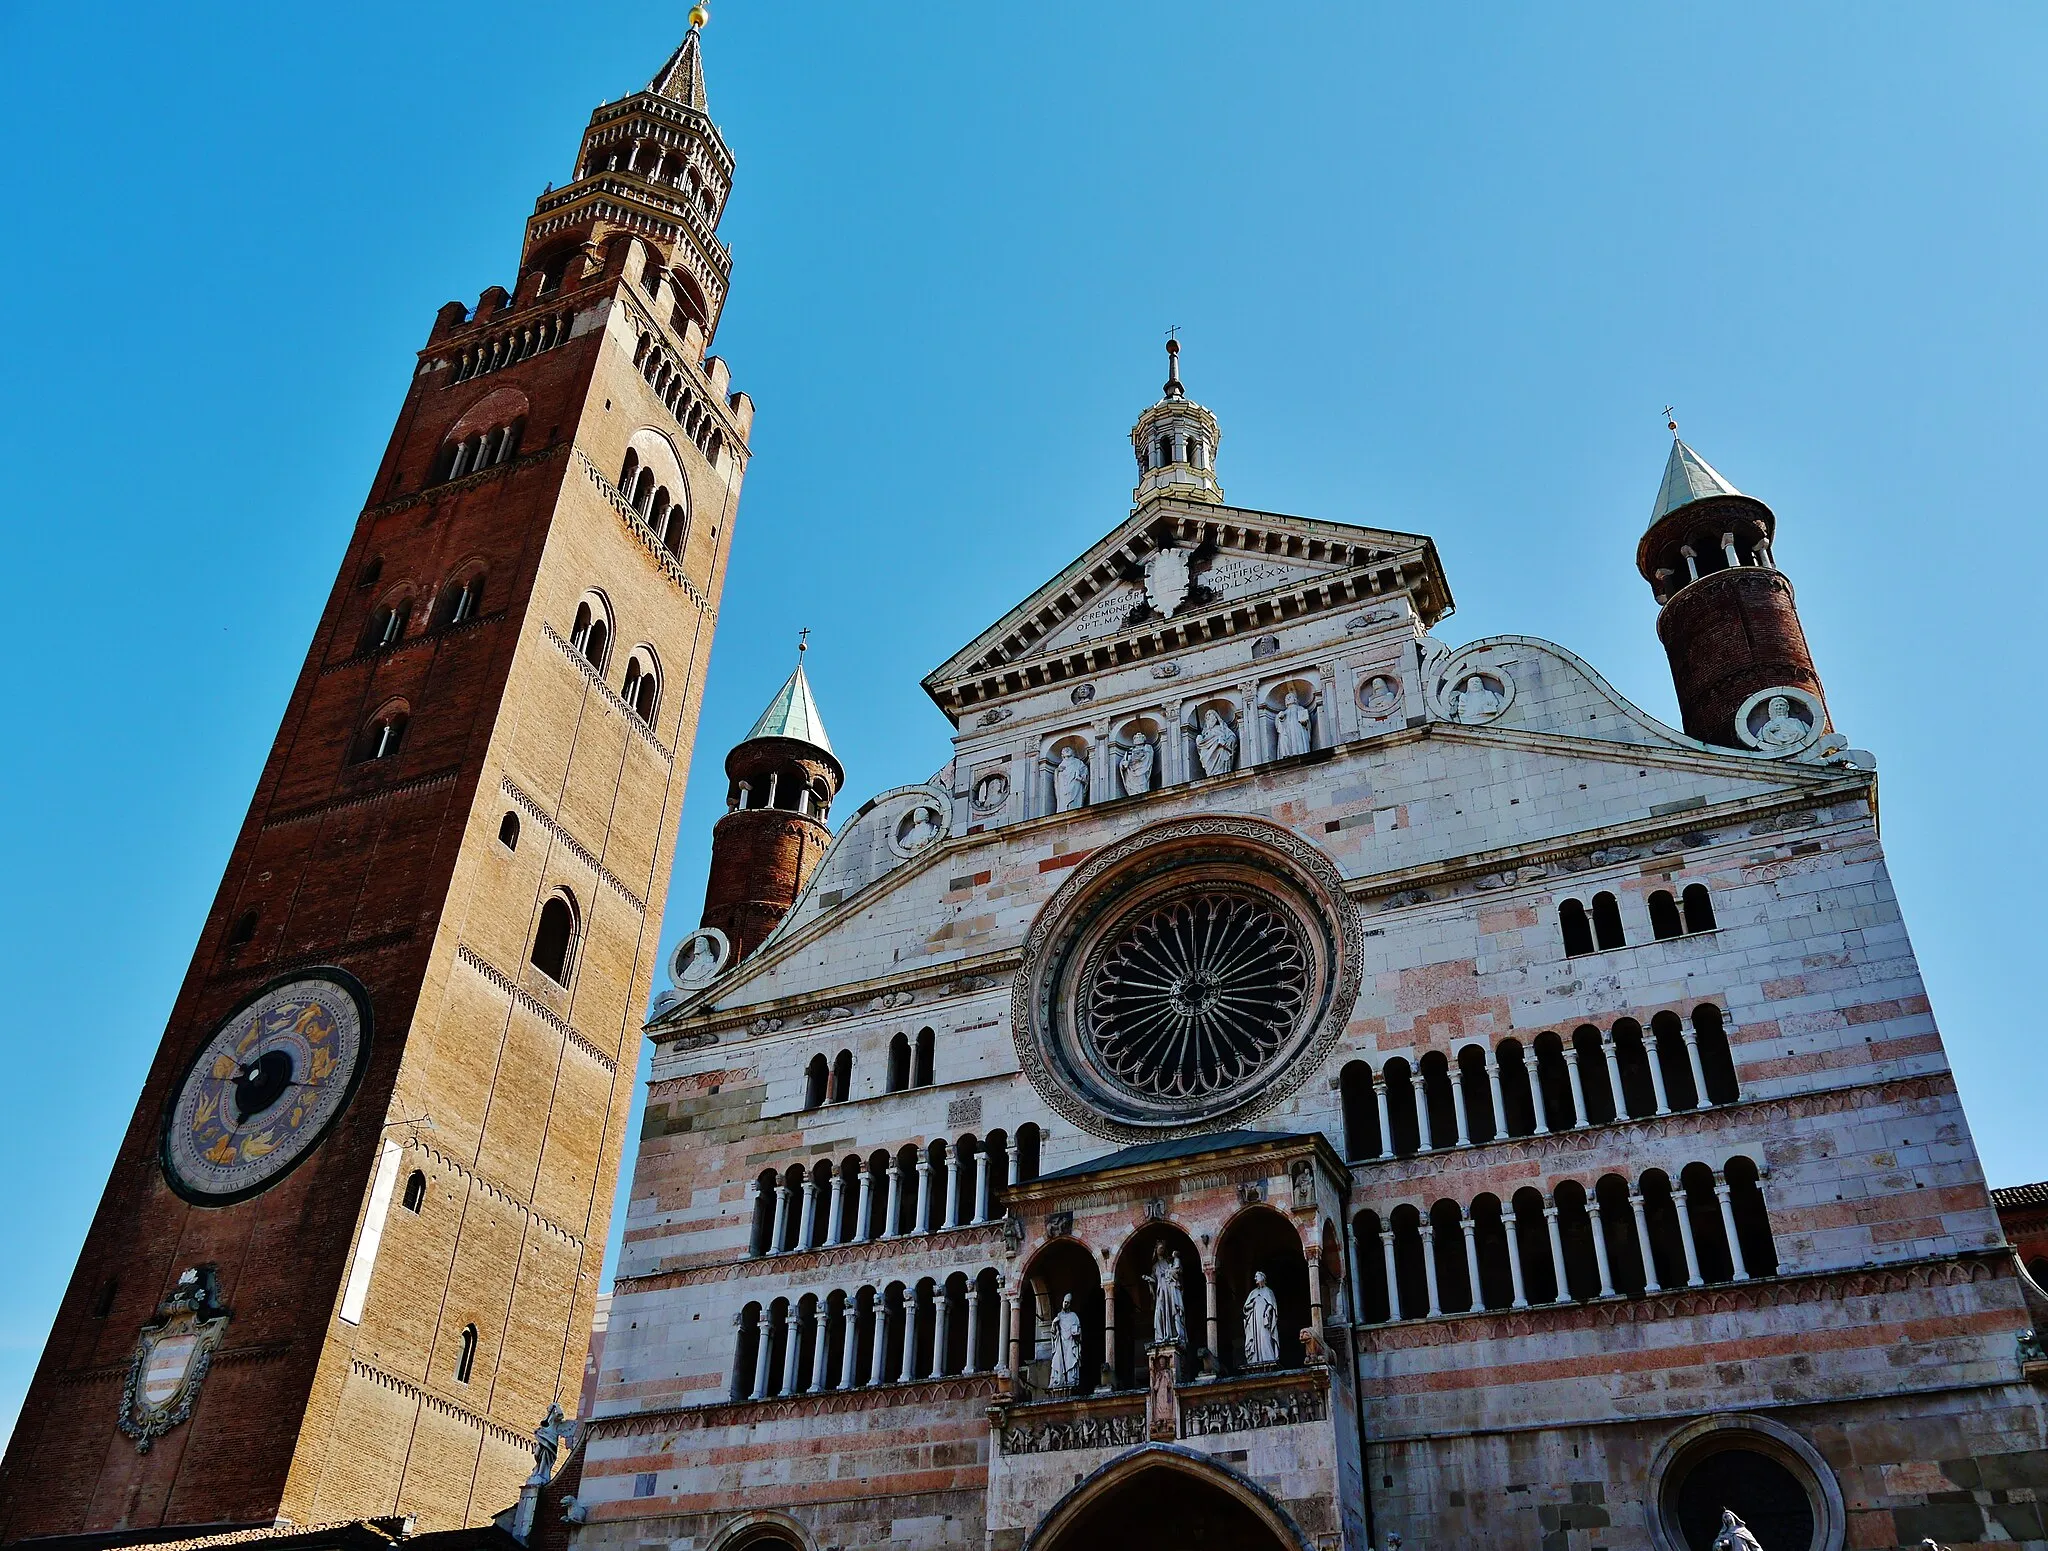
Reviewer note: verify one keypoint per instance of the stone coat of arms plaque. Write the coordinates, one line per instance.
(172, 1355)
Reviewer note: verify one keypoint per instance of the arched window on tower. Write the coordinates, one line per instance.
(554, 940)
(842, 1078)
(508, 831)
(642, 689)
(1699, 908)
(382, 736)
(1578, 931)
(921, 1076)
(899, 1064)
(1664, 918)
(465, 1357)
(415, 1191)
(1607, 922)
(591, 633)
(816, 1076)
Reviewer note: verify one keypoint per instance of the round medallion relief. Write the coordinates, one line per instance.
(1185, 978)
(266, 1087)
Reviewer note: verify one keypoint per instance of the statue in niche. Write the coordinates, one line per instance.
(1475, 700)
(991, 792)
(1261, 1324)
(1735, 1535)
(1169, 1313)
(1135, 764)
(920, 829)
(1066, 1346)
(1216, 747)
(1291, 726)
(1781, 729)
(1070, 780)
(1379, 697)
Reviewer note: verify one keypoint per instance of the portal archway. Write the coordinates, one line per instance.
(1164, 1498)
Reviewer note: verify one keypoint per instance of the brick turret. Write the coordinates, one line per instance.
(1730, 624)
(783, 777)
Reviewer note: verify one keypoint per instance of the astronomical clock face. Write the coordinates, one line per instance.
(263, 1091)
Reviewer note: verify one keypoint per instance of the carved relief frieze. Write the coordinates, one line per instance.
(1118, 1430)
(1244, 1413)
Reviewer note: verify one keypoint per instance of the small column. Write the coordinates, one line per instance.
(1420, 1089)
(1728, 1226)
(1393, 1281)
(981, 1184)
(1429, 1264)
(894, 1203)
(1635, 1205)
(864, 1227)
(879, 1351)
(1571, 1070)
(821, 1358)
(1514, 1232)
(781, 1219)
(1357, 1278)
(1014, 1156)
(1600, 1245)
(1683, 1208)
(792, 1349)
(832, 1213)
(1013, 1336)
(952, 1217)
(922, 1222)
(1379, 1099)
(1500, 1109)
(1564, 1286)
(1691, 1036)
(1613, 1075)
(848, 1345)
(973, 1328)
(1209, 1282)
(1108, 1380)
(761, 1357)
(1471, 1257)
(1458, 1115)
(1653, 1054)
(1728, 550)
(1314, 1257)
(903, 1368)
(1533, 1065)
(810, 1203)
(941, 1329)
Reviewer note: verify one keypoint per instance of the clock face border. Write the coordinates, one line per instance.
(335, 975)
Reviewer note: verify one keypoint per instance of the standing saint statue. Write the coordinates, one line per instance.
(1216, 746)
(1135, 766)
(1735, 1535)
(1291, 726)
(1070, 779)
(1169, 1314)
(1261, 1324)
(1066, 1346)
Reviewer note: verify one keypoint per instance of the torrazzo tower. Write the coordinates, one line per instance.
(348, 1254)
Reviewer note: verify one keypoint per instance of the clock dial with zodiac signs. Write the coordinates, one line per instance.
(266, 1087)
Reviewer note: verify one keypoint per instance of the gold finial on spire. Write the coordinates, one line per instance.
(699, 15)
(1670, 420)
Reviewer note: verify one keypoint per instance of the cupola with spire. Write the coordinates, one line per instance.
(782, 779)
(1729, 621)
(1175, 441)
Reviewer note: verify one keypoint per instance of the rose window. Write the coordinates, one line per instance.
(1193, 996)
(1186, 978)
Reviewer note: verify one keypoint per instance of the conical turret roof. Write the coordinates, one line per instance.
(682, 78)
(1687, 477)
(793, 713)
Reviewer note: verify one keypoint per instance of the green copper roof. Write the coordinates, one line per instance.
(1687, 477)
(793, 714)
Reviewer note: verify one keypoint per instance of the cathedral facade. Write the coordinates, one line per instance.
(1287, 1081)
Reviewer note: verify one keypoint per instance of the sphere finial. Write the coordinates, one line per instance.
(699, 15)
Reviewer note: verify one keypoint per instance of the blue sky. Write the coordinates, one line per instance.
(1436, 269)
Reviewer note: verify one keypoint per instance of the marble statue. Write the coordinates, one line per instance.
(1216, 746)
(1066, 1346)
(921, 830)
(1070, 780)
(1169, 1314)
(548, 1438)
(1735, 1535)
(1476, 700)
(1781, 729)
(1135, 764)
(1380, 697)
(1291, 727)
(1261, 1324)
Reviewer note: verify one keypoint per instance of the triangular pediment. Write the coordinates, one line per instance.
(1178, 572)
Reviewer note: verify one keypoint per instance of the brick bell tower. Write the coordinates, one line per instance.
(349, 1249)
(783, 777)
(1729, 622)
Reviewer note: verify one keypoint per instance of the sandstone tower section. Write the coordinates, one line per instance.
(348, 1253)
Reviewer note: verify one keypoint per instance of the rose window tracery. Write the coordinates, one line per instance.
(1194, 995)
